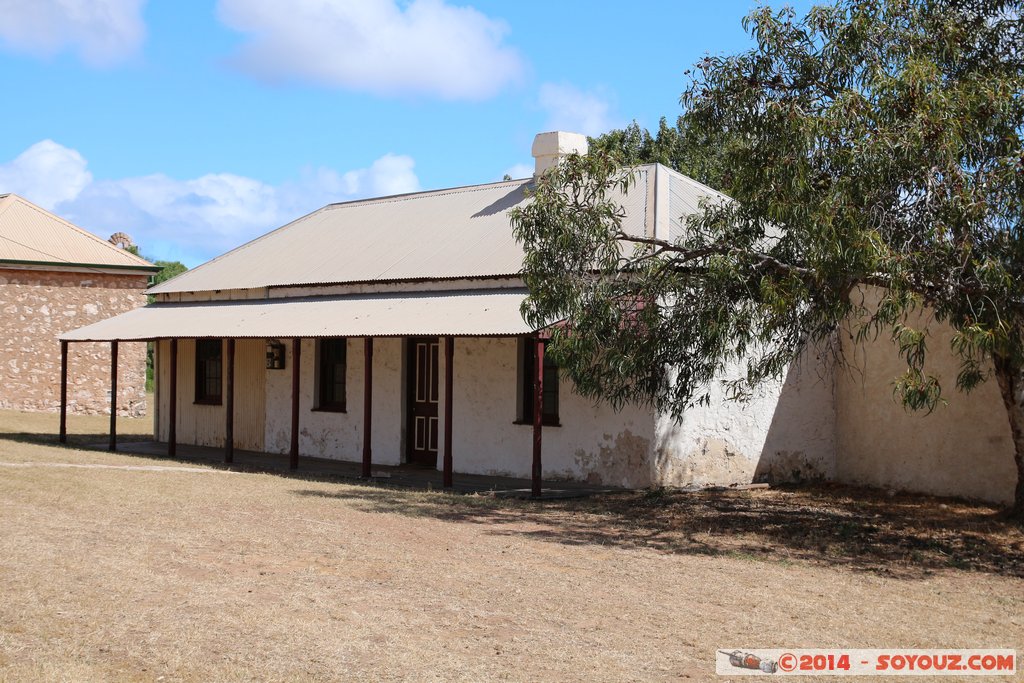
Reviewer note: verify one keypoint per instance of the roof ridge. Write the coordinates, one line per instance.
(688, 179)
(440, 192)
(82, 231)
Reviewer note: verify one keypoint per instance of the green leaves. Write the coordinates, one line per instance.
(870, 147)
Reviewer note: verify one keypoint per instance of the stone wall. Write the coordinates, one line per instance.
(38, 305)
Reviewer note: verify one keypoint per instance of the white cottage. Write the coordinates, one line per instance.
(388, 331)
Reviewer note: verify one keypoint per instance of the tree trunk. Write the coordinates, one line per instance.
(1010, 378)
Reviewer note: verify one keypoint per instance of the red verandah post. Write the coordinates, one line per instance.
(538, 412)
(172, 412)
(293, 453)
(449, 359)
(112, 446)
(229, 405)
(367, 403)
(63, 392)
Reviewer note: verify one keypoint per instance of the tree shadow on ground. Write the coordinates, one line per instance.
(902, 536)
(905, 536)
(77, 440)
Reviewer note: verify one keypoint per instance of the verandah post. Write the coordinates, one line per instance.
(449, 358)
(112, 446)
(63, 392)
(538, 412)
(172, 416)
(229, 404)
(293, 453)
(367, 403)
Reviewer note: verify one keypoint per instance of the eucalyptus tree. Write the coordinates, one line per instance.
(692, 152)
(867, 145)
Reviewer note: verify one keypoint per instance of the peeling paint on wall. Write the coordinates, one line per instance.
(789, 467)
(622, 460)
(338, 435)
(787, 428)
(488, 441)
(813, 424)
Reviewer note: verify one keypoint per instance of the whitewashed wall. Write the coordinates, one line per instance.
(339, 435)
(964, 448)
(786, 432)
(814, 424)
(593, 443)
(203, 425)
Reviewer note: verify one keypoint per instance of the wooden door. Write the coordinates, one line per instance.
(422, 397)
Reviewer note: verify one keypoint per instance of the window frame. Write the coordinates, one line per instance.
(330, 403)
(203, 356)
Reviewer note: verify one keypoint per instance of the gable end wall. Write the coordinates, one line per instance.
(35, 307)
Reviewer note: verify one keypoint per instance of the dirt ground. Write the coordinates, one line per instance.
(115, 567)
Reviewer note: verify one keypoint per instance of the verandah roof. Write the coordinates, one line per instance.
(473, 313)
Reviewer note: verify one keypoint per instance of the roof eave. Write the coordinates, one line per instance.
(91, 266)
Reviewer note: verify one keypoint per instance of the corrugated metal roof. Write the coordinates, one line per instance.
(460, 314)
(30, 234)
(456, 233)
(685, 196)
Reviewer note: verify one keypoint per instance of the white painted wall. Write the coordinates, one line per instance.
(203, 425)
(811, 425)
(339, 435)
(786, 432)
(594, 442)
(963, 448)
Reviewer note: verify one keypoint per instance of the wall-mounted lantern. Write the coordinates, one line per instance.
(275, 355)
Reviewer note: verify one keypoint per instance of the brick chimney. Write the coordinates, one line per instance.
(548, 148)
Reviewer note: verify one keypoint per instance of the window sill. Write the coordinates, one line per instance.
(327, 409)
(207, 402)
(530, 423)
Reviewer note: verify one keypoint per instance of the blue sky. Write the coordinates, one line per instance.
(195, 125)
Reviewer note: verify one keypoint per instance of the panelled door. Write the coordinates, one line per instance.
(422, 396)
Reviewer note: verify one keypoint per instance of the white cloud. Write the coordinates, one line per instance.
(189, 220)
(574, 110)
(425, 47)
(102, 32)
(390, 174)
(45, 173)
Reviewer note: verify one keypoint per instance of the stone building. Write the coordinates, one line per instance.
(56, 277)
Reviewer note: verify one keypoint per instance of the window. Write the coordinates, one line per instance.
(208, 371)
(550, 399)
(330, 360)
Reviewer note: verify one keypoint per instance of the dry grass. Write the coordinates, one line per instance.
(114, 574)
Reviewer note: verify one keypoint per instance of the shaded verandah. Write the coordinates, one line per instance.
(485, 314)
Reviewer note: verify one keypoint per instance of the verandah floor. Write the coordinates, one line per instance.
(410, 476)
